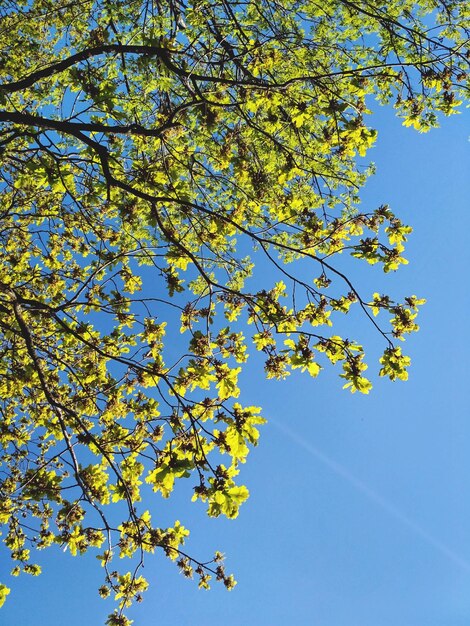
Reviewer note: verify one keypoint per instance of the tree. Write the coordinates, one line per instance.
(179, 168)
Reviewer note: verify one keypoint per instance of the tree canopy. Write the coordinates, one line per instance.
(180, 185)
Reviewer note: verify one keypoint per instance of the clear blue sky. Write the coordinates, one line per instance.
(360, 506)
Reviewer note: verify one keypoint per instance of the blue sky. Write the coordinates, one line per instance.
(360, 506)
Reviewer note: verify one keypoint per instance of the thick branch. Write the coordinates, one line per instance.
(27, 119)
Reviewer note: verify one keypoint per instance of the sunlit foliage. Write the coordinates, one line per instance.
(178, 182)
